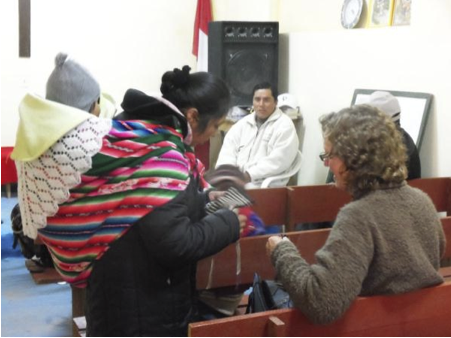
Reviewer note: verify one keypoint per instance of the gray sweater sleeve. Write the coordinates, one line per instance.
(325, 290)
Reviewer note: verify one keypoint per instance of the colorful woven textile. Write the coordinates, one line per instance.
(44, 182)
(140, 167)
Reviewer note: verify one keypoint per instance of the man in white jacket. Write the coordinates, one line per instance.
(263, 143)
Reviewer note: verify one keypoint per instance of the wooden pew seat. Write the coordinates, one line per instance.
(49, 275)
(424, 312)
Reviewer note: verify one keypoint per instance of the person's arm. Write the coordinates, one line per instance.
(229, 149)
(413, 158)
(282, 154)
(174, 240)
(325, 290)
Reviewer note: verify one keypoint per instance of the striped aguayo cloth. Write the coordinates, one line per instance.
(140, 167)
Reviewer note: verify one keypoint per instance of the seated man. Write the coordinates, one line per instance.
(263, 143)
(390, 106)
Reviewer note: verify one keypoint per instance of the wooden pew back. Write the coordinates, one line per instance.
(438, 189)
(316, 203)
(254, 258)
(270, 204)
(424, 312)
(320, 203)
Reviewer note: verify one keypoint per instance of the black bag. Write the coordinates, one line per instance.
(267, 295)
(26, 244)
(39, 253)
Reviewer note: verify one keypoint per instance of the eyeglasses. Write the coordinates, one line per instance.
(325, 156)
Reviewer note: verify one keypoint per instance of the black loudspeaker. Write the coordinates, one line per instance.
(243, 53)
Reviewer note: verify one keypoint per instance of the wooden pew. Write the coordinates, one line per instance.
(270, 204)
(316, 203)
(320, 203)
(424, 312)
(381, 315)
(254, 258)
(438, 189)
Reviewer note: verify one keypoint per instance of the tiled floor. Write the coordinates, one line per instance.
(28, 309)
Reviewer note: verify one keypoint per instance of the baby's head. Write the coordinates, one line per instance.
(73, 85)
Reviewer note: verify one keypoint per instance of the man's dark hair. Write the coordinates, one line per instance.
(267, 85)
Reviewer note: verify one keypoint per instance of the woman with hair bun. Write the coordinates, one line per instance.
(387, 240)
(134, 229)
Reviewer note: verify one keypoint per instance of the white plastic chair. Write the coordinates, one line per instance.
(290, 172)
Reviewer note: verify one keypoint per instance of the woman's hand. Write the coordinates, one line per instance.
(241, 218)
(272, 243)
(215, 194)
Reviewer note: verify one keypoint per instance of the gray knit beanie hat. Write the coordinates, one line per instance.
(72, 84)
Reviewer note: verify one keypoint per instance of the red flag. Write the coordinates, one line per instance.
(200, 40)
(200, 49)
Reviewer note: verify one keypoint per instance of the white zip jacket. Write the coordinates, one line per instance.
(263, 152)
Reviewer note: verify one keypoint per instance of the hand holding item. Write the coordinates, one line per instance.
(243, 220)
(238, 201)
(215, 194)
(272, 243)
(254, 224)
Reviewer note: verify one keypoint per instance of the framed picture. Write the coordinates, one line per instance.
(401, 13)
(380, 13)
(414, 110)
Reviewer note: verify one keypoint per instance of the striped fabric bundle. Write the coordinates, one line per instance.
(140, 167)
(235, 199)
(232, 199)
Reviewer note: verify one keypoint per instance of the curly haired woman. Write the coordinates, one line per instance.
(388, 240)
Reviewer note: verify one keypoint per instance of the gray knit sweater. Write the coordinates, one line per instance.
(389, 241)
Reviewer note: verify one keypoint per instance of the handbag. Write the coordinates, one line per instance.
(267, 295)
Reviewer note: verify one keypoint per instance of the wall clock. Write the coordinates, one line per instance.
(351, 12)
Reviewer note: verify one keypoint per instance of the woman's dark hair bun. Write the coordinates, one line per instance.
(174, 80)
(181, 77)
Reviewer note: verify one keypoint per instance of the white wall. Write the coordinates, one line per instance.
(245, 10)
(308, 15)
(326, 65)
(125, 43)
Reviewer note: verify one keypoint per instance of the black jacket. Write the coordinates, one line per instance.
(413, 158)
(145, 284)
